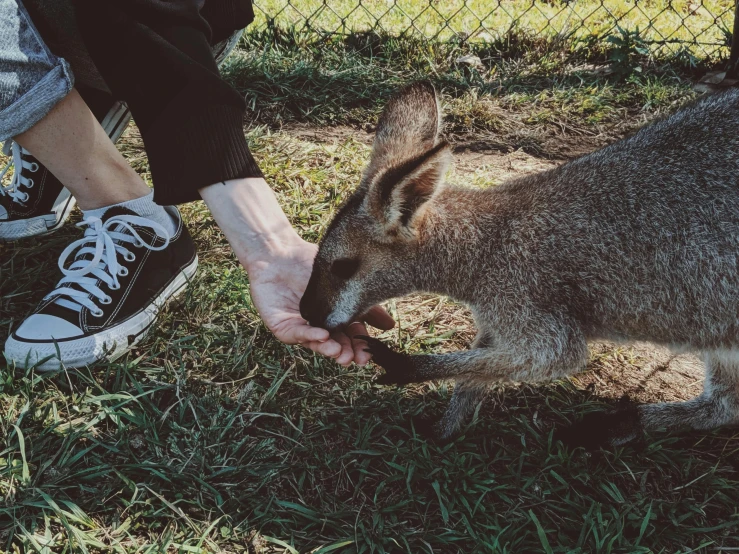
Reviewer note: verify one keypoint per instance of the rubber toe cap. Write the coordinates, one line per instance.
(46, 327)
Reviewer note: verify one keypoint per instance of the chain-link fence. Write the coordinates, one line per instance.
(701, 28)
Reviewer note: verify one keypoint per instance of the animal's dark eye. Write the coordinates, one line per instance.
(345, 267)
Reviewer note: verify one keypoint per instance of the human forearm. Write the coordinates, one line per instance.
(249, 215)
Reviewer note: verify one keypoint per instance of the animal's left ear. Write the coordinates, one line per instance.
(398, 196)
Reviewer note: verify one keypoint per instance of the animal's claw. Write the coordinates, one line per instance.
(398, 367)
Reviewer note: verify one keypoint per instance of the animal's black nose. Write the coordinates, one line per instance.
(312, 315)
(312, 308)
(305, 313)
(308, 311)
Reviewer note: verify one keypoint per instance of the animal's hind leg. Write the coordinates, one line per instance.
(718, 405)
(466, 396)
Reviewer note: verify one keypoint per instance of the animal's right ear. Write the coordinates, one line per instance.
(398, 196)
(408, 127)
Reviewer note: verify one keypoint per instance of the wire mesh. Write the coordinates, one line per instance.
(701, 28)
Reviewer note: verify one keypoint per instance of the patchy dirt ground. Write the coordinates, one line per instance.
(642, 372)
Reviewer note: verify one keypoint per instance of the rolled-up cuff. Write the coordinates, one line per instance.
(30, 108)
(201, 149)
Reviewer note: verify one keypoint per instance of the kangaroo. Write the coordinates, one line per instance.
(636, 241)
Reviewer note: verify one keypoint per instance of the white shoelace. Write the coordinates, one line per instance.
(105, 241)
(19, 179)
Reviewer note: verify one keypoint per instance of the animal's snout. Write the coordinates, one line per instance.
(311, 308)
(309, 312)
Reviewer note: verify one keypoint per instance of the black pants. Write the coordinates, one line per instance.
(156, 56)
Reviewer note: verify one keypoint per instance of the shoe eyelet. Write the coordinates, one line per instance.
(106, 300)
(98, 313)
(122, 272)
(30, 184)
(114, 286)
(34, 167)
(26, 196)
(129, 256)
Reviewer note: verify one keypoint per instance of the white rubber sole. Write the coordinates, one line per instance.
(116, 121)
(108, 345)
(228, 47)
(40, 225)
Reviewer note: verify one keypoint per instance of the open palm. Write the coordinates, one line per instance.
(276, 289)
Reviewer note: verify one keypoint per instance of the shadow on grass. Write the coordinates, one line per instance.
(326, 458)
(212, 433)
(212, 436)
(519, 92)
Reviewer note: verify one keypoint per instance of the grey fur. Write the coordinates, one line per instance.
(636, 241)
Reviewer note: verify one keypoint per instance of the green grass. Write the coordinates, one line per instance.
(698, 27)
(525, 93)
(213, 437)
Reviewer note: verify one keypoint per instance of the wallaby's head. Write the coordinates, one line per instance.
(368, 252)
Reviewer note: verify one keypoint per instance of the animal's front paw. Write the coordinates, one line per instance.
(398, 367)
(598, 429)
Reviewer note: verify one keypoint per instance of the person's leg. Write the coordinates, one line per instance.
(45, 205)
(35, 201)
(76, 149)
(157, 58)
(134, 256)
(32, 81)
(74, 146)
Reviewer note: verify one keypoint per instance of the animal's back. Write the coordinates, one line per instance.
(641, 239)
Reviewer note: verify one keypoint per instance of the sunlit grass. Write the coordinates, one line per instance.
(213, 437)
(700, 26)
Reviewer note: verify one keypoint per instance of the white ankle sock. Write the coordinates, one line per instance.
(145, 207)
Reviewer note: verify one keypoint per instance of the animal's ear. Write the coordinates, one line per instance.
(409, 126)
(398, 196)
(408, 162)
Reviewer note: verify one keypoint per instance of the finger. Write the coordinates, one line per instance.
(303, 333)
(329, 348)
(356, 328)
(378, 317)
(361, 356)
(347, 352)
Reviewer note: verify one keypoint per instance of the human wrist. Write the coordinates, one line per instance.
(249, 215)
(269, 250)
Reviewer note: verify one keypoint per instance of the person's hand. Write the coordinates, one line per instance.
(279, 264)
(277, 286)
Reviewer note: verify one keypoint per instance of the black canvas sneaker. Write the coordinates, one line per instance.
(35, 202)
(124, 270)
